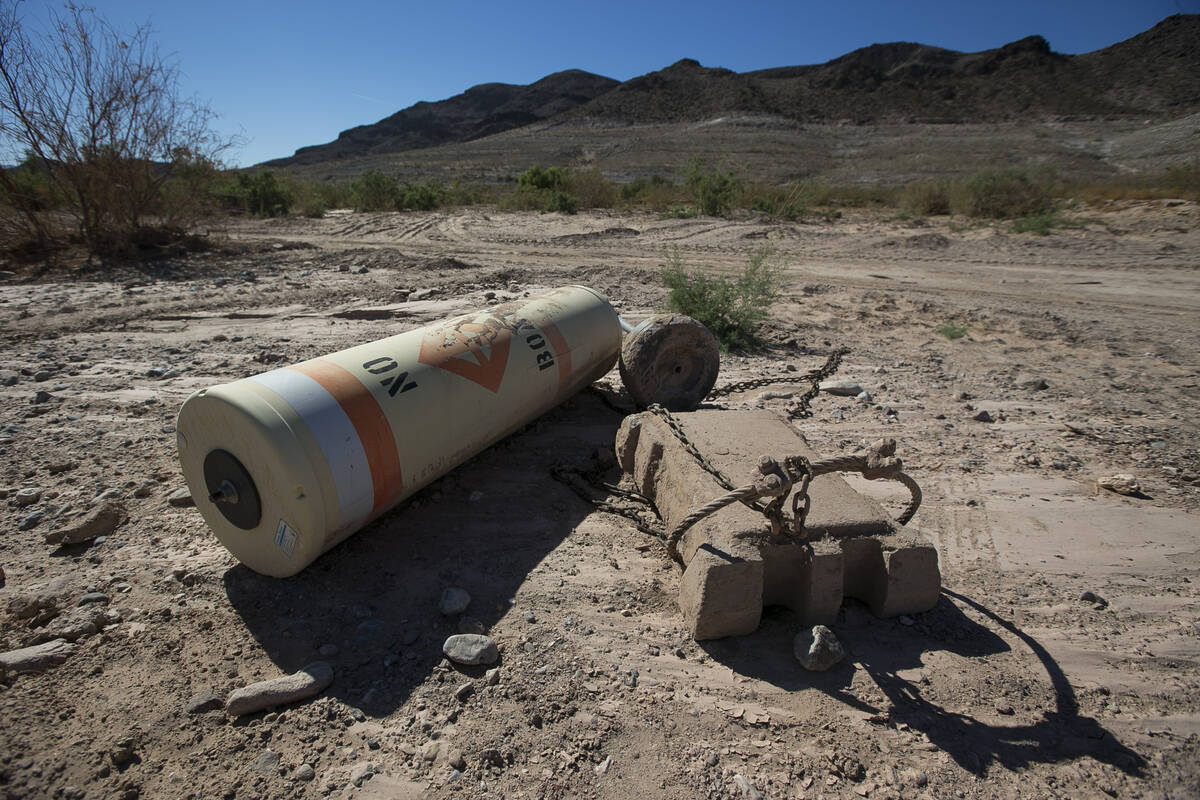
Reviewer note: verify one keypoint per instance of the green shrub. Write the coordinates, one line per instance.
(426, 196)
(926, 198)
(258, 193)
(374, 191)
(1006, 194)
(788, 201)
(536, 178)
(731, 309)
(713, 189)
(1039, 224)
(592, 189)
(952, 330)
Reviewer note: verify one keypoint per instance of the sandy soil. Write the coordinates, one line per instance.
(1013, 686)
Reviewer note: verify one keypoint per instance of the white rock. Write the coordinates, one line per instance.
(842, 388)
(311, 680)
(817, 650)
(470, 649)
(1121, 483)
(454, 601)
(38, 658)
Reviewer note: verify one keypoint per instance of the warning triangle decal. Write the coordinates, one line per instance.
(472, 350)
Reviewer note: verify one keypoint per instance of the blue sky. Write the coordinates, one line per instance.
(288, 74)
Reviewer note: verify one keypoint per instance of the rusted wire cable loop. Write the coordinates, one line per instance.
(877, 462)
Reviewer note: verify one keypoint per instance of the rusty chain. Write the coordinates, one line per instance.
(779, 481)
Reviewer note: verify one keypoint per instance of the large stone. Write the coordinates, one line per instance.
(100, 521)
(311, 680)
(454, 601)
(470, 649)
(38, 658)
(733, 567)
(817, 649)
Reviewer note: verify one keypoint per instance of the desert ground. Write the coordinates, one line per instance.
(1063, 659)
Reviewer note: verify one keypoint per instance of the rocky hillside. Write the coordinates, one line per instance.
(480, 111)
(1155, 74)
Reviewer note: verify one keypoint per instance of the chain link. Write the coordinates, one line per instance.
(801, 408)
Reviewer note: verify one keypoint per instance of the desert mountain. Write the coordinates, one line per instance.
(1155, 74)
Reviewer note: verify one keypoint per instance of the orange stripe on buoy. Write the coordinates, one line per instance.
(562, 353)
(374, 430)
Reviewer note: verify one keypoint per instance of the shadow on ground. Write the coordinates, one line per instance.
(885, 648)
(484, 528)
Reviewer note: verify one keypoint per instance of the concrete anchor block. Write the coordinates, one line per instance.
(733, 567)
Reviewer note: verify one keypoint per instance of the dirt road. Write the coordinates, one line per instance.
(1014, 686)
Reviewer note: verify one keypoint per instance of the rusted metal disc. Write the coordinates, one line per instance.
(670, 359)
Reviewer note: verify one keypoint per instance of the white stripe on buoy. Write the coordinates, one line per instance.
(335, 435)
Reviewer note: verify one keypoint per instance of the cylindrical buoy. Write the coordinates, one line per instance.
(286, 464)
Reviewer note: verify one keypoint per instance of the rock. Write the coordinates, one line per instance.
(1092, 597)
(42, 396)
(123, 751)
(841, 388)
(305, 772)
(602, 767)
(984, 416)
(100, 521)
(747, 788)
(311, 680)
(328, 650)
(267, 761)
(465, 691)
(1028, 380)
(454, 757)
(145, 489)
(32, 520)
(77, 624)
(470, 625)
(430, 750)
(1005, 709)
(27, 496)
(361, 773)
(61, 466)
(470, 649)
(454, 601)
(817, 650)
(1121, 483)
(203, 701)
(8, 377)
(38, 658)
(181, 498)
(492, 676)
(93, 597)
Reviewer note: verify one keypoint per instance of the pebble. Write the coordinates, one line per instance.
(470, 649)
(145, 489)
(42, 396)
(1121, 483)
(203, 701)
(181, 498)
(328, 650)
(492, 676)
(984, 416)
(465, 691)
(1091, 597)
(454, 601)
(311, 680)
(38, 658)
(470, 625)
(842, 388)
(1028, 380)
(747, 788)
(93, 597)
(100, 521)
(267, 761)
(602, 767)
(305, 772)
(32, 520)
(818, 649)
(27, 496)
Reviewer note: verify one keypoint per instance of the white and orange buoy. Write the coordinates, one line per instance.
(286, 464)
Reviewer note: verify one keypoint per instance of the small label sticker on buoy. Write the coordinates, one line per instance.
(286, 537)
